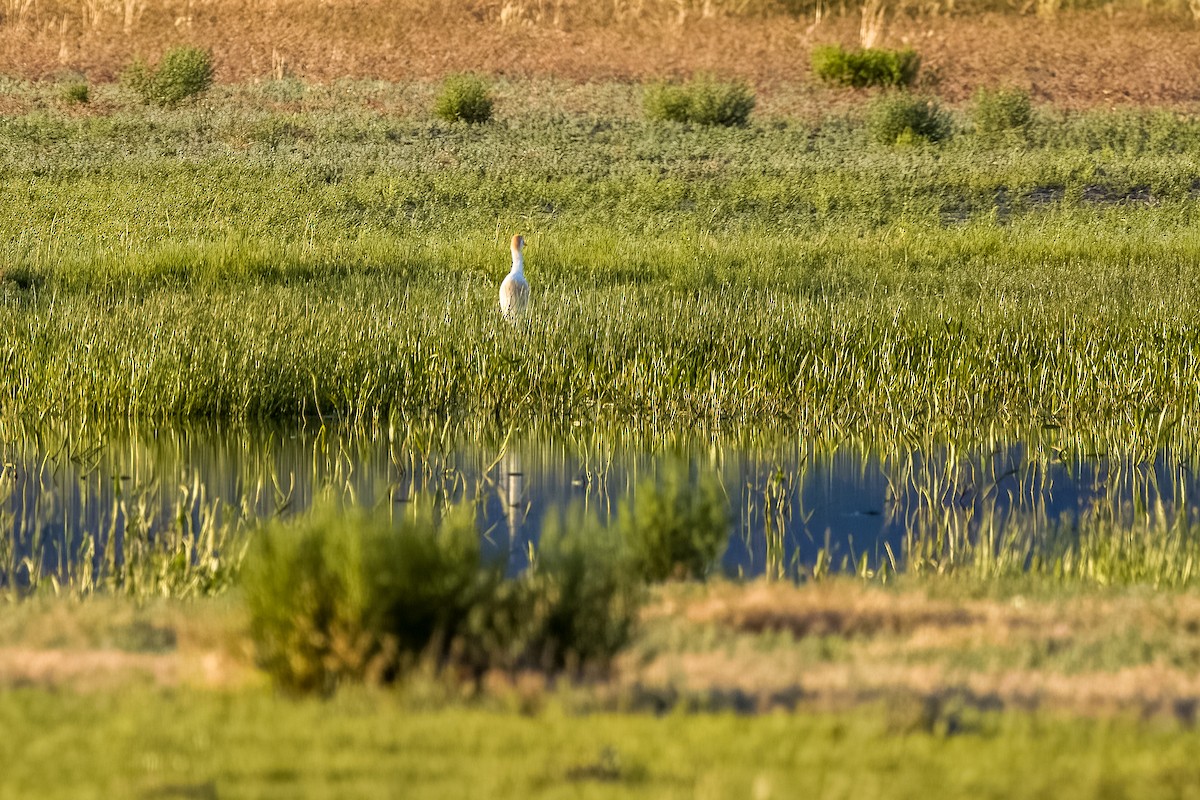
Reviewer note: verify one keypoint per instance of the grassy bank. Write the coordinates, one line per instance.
(206, 745)
(896, 692)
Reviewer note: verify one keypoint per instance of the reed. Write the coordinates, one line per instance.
(807, 277)
(146, 20)
(134, 552)
(373, 349)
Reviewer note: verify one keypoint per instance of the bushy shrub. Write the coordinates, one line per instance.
(345, 596)
(76, 93)
(675, 529)
(704, 100)
(182, 73)
(464, 98)
(867, 67)
(586, 591)
(904, 119)
(341, 595)
(1001, 110)
(667, 102)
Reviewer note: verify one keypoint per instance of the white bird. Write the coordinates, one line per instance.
(514, 291)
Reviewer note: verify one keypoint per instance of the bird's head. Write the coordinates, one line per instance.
(518, 243)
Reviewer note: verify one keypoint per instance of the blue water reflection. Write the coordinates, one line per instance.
(792, 505)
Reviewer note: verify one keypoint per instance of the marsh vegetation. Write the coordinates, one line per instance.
(979, 315)
(809, 277)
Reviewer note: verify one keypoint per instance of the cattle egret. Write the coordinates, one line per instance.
(514, 291)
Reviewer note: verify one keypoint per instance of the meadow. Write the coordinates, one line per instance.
(791, 272)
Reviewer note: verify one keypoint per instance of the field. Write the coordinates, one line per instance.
(306, 243)
(809, 276)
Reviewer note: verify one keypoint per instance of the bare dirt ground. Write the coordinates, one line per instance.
(1093, 58)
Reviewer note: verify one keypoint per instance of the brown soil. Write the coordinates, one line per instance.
(1074, 59)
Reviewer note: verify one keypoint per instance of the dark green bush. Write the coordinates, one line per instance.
(676, 529)
(867, 67)
(182, 73)
(76, 93)
(1001, 110)
(704, 100)
(464, 98)
(344, 596)
(900, 119)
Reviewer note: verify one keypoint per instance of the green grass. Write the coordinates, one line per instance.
(376, 347)
(184, 743)
(152, 257)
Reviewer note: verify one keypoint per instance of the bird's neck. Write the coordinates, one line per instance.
(518, 266)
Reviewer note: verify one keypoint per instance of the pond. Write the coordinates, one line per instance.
(794, 505)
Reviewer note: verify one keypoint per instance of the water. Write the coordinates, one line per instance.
(792, 505)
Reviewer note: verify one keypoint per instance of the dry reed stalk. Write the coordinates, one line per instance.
(15, 10)
(874, 17)
(1047, 9)
(64, 51)
(279, 68)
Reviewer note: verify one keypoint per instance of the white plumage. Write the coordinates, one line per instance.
(514, 291)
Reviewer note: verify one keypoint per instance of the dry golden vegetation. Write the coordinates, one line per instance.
(839, 644)
(1124, 53)
(106, 643)
(821, 646)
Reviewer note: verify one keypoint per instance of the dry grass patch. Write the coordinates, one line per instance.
(826, 610)
(839, 644)
(103, 643)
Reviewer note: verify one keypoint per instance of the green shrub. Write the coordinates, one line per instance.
(182, 73)
(464, 98)
(1001, 110)
(342, 595)
(667, 102)
(676, 529)
(867, 67)
(903, 119)
(587, 596)
(76, 93)
(703, 100)
(346, 596)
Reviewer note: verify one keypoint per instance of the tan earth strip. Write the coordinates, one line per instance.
(1094, 58)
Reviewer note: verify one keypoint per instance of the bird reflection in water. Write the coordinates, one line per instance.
(512, 493)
